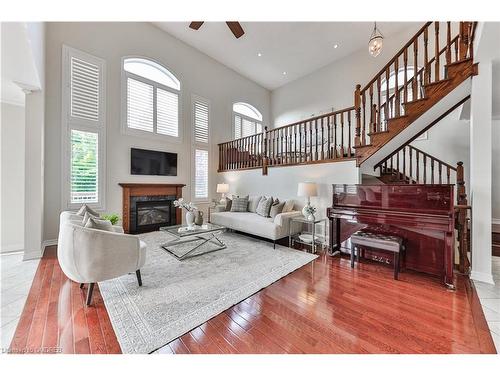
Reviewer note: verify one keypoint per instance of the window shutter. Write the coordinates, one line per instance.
(84, 89)
(201, 173)
(237, 127)
(247, 128)
(84, 167)
(167, 109)
(200, 113)
(139, 105)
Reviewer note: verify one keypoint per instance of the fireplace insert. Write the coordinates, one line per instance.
(148, 214)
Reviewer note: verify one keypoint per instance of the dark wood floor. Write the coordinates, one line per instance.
(324, 307)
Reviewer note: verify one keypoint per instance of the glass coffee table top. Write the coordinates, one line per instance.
(184, 230)
(195, 241)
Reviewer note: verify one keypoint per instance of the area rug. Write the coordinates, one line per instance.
(178, 296)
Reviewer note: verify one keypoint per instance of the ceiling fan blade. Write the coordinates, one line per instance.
(236, 29)
(195, 25)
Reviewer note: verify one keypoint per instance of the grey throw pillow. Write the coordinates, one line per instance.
(95, 223)
(86, 208)
(87, 216)
(229, 203)
(253, 202)
(276, 209)
(288, 206)
(239, 204)
(264, 206)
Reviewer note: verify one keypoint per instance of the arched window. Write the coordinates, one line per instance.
(247, 120)
(151, 97)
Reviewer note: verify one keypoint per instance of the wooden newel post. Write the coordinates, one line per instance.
(461, 195)
(357, 112)
(463, 46)
(265, 159)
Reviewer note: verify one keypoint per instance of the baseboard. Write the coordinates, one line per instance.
(12, 248)
(47, 243)
(36, 255)
(495, 221)
(483, 277)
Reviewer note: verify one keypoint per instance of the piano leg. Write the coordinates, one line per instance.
(448, 261)
(335, 245)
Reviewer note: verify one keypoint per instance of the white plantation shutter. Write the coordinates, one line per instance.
(200, 113)
(237, 127)
(201, 174)
(140, 105)
(167, 117)
(247, 128)
(83, 106)
(84, 167)
(84, 89)
(150, 106)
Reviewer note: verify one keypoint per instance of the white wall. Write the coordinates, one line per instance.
(332, 85)
(198, 73)
(282, 182)
(12, 154)
(496, 171)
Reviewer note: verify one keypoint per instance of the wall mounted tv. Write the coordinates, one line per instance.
(155, 163)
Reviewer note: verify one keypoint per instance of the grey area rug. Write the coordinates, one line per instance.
(178, 296)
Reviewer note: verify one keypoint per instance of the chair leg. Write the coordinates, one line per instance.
(353, 250)
(396, 265)
(89, 294)
(139, 279)
(274, 244)
(81, 285)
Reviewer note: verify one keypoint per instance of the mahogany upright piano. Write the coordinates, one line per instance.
(422, 214)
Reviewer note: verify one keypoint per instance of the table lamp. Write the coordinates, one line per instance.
(308, 190)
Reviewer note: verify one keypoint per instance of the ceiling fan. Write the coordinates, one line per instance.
(235, 27)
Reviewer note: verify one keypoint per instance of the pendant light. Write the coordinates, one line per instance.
(376, 41)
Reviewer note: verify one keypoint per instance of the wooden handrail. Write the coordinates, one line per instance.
(432, 158)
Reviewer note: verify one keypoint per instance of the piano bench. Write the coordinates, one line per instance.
(377, 241)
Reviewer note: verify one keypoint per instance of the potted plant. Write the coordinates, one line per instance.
(114, 218)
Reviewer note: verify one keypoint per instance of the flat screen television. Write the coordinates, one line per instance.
(153, 163)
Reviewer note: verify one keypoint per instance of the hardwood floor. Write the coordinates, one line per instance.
(323, 307)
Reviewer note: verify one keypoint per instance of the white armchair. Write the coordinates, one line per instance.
(89, 255)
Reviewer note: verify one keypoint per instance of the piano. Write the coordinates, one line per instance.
(421, 214)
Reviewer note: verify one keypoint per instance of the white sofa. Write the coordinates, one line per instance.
(89, 255)
(252, 223)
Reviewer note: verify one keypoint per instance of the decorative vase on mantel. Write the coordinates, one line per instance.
(190, 219)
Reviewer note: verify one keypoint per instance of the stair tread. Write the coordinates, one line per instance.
(379, 132)
(415, 101)
(436, 82)
(458, 62)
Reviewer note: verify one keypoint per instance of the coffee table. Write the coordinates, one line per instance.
(207, 233)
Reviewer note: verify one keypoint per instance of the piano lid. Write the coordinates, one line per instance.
(417, 198)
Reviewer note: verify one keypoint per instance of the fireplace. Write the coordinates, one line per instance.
(147, 207)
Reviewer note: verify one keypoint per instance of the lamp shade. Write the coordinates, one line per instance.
(222, 188)
(307, 189)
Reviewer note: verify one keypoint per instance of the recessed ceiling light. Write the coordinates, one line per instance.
(335, 46)
(284, 73)
(259, 54)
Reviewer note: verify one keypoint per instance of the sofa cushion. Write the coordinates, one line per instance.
(288, 207)
(264, 206)
(87, 216)
(86, 208)
(253, 202)
(99, 224)
(239, 204)
(276, 209)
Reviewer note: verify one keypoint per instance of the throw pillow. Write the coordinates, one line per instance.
(87, 216)
(288, 207)
(276, 209)
(253, 202)
(239, 204)
(86, 208)
(264, 206)
(229, 203)
(95, 223)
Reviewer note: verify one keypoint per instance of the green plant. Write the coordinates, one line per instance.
(114, 218)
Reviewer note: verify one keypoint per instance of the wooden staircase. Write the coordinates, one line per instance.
(434, 63)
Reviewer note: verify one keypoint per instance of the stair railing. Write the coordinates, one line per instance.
(419, 64)
(319, 139)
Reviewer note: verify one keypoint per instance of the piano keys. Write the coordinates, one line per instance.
(422, 214)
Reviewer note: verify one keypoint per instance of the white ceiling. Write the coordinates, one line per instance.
(297, 48)
(17, 62)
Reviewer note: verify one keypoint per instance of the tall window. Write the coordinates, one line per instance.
(247, 120)
(84, 128)
(151, 98)
(201, 139)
